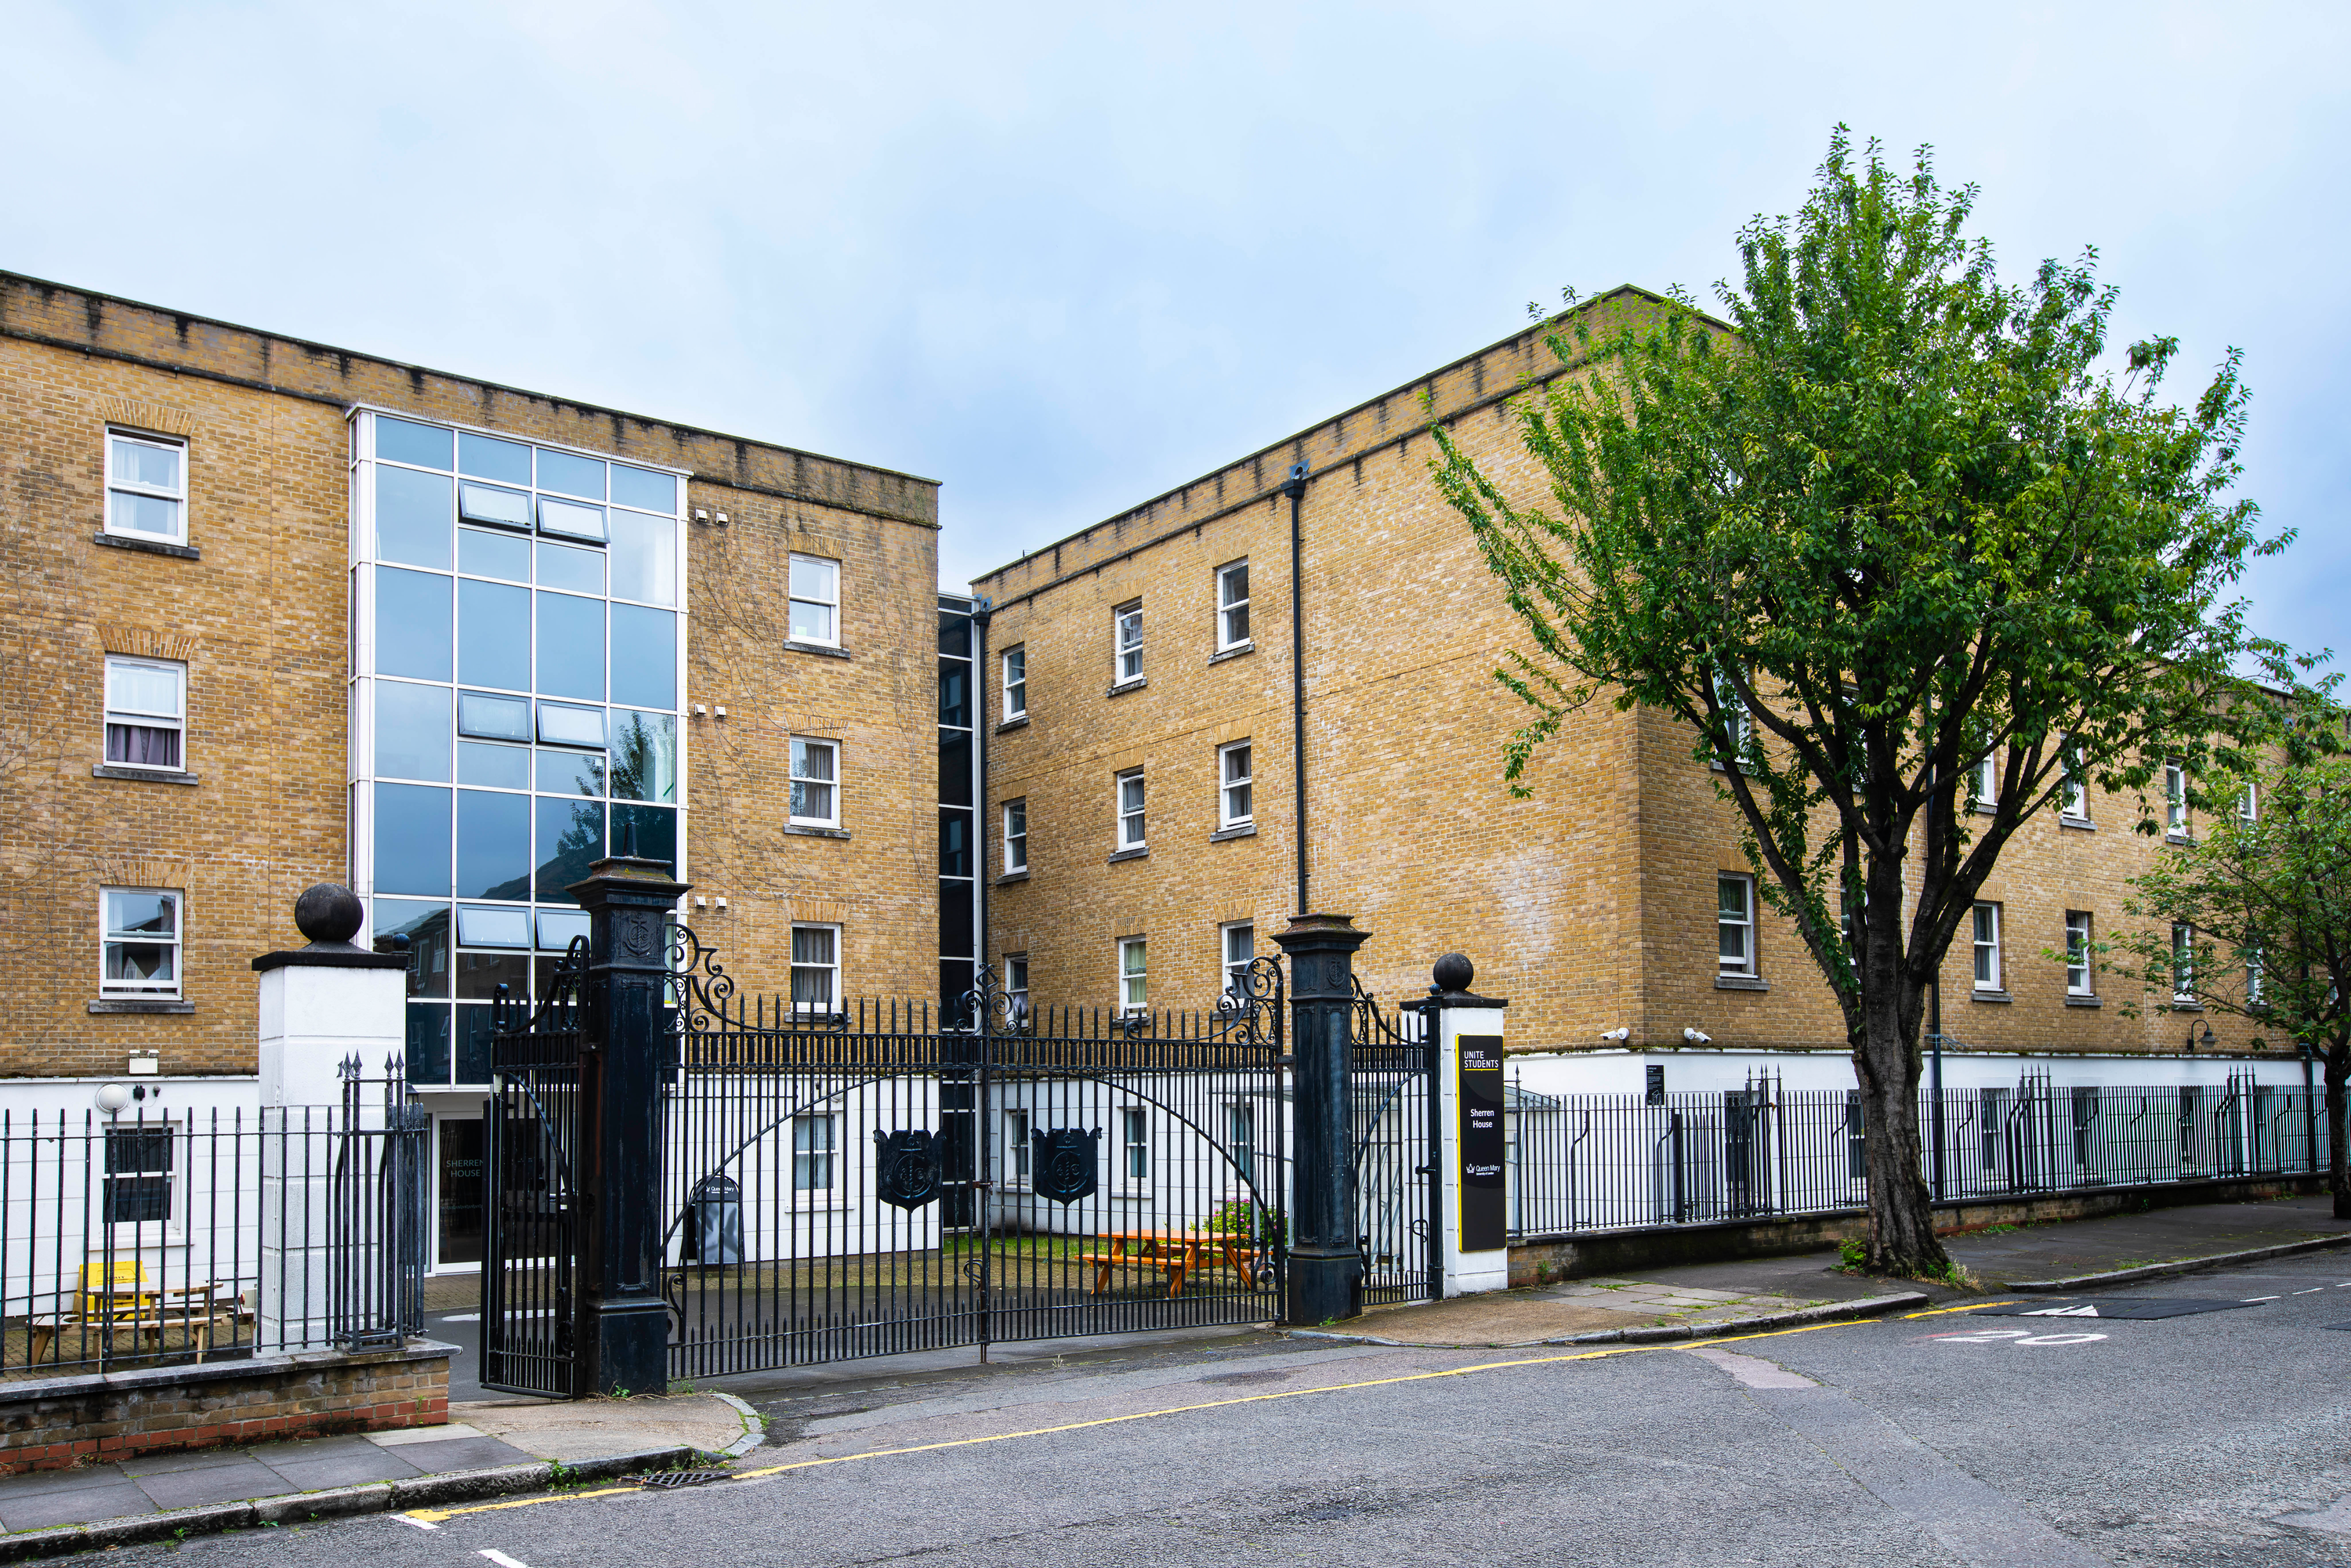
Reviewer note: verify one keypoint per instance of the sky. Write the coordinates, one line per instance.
(1063, 258)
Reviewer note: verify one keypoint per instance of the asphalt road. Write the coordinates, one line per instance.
(1957, 1438)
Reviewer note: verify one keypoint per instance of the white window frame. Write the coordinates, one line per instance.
(116, 483)
(2248, 805)
(2175, 801)
(804, 1155)
(1983, 938)
(831, 970)
(1015, 1170)
(1240, 1137)
(1984, 783)
(1741, 725)
(1134, 1139)
(1745, 966)
(137, 718)
(1012, 665)
(1133, 985)
(2073, 799)
(2079, 977)
(134, 990)
(1227, 608)
(2183, 961)
(2252, 978)
(1230, 971)
(828, 596)
(1131, 826)
(1016, 984)
(1126, 644)
(1016, 836)
(1227, 784)
(797, 780)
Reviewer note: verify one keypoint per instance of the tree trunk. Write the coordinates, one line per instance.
(2338, 1070)
(1901, 1210)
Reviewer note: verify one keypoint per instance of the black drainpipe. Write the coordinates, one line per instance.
(981, 606)
(1296, 491)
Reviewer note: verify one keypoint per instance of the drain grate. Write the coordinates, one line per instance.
(673, 1479)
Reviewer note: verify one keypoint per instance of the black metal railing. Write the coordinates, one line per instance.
(149, 1236)
(1600, 1162)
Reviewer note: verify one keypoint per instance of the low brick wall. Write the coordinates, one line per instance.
(58, 1422)
(1540, 1260)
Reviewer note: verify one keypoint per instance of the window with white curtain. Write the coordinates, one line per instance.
(2175, 801)
(1239, 939)
(816, 601)
(146, 712)
(146, 487)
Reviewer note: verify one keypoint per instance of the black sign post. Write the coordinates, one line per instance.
(1484, 1224)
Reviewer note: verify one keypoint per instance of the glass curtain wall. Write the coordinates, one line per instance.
(517, 668)
(959, 848)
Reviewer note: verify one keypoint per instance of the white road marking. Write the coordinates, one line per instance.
(2312, 1291)
(2251, 1299)
(2014, 1336)
(2061, 1339)
(2086, 1310)
(502, 1560)
(463, 1318)
(420, 1524)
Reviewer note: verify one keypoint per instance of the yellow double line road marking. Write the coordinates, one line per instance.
(435, 1515)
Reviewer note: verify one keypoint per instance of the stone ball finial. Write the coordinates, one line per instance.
(329, 911)
(1454, 972)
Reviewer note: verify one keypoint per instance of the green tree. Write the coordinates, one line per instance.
(2252, 917)
(1888, 522)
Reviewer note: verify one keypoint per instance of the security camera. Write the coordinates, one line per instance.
(1697, 1037)
(1620, 1034)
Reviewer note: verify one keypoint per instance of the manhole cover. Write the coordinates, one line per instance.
(2106, 1307)
(673, 1479)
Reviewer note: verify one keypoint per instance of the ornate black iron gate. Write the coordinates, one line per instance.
(878, 1178)
(837, 1182)
(1395, 1122)
(530, 1188)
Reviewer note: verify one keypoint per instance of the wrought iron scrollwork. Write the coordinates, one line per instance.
(512, 1014)
(701, 985)
(1367, 1026)
(988, 1009)
(1251, 1009)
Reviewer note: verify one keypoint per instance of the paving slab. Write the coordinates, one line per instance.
(577, 1429)
(119, 1499)
(213, 1483)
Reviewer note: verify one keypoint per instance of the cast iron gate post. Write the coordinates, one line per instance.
(1326, 1259)
(622, 1336)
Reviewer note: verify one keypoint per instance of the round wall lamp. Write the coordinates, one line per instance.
(112, 1097)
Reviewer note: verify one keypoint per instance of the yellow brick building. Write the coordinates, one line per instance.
(279, 614)
(1123, 693)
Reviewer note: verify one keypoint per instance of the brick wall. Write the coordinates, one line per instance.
(56, 1423)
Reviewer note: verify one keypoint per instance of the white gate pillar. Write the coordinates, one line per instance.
(1473, 1220)
(319, 1005)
